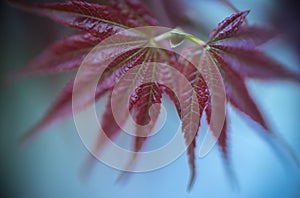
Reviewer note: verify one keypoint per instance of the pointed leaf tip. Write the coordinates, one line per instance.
(228, 26)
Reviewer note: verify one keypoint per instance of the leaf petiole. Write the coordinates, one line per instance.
(177, 36)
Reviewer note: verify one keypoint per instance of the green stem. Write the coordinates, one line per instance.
(181, 34)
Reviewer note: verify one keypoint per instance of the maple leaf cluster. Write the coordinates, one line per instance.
(231, 51)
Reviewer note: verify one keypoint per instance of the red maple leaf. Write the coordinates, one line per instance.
(229, 58)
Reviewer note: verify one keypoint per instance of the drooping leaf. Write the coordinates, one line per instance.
(149, 94)
(195, 100)
(227, 59)
(231, 39)
(222, 139)
(214, 94)
(237, 92)
(108, 125)
(62, 108)
(113, 74)
(169, 77)
(110, 128)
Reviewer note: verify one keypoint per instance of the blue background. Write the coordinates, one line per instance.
(50, 165)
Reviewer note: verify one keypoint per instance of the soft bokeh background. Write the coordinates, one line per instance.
(50, 165)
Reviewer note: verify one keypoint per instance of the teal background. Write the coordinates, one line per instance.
(50, 165)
